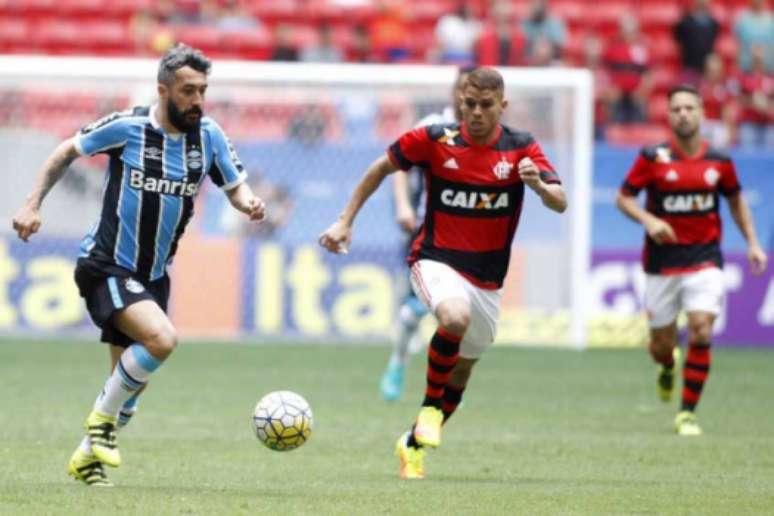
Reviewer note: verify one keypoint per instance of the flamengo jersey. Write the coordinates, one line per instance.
(150, 186)
(474, 196)
(684, 192)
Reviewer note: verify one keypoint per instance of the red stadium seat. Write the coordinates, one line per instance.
(106, 38)
(14, 32)
(659, 15)
(636, 134)
(658, 108)
(252, 45)
(203, 37)
(664, 78)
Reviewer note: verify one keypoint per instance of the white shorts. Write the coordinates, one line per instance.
(666, 295)
(435, 282)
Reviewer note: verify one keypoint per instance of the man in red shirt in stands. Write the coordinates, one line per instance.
(476, 172)
(684, 179)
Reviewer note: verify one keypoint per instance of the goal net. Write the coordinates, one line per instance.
(305, 133)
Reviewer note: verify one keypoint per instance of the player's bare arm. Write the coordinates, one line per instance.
(404, 213)
(27, 220)
(552, 195)
(659, 230)
(740, 211)
(337, 237)
(243, 199)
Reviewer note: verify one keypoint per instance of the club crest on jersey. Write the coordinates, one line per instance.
(193, 159)
(502, 170)
(711, 176)
(663, 155)
(687, 203)
(474, 200)
(133, 286)
(448, 137)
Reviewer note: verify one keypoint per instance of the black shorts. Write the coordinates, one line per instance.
(108, 288)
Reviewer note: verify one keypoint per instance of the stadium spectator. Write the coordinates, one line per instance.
(231, 17)
(455, 36)
(627, 61)
(149, 35)
(695, 34)
(323, 50)
(592, 61)
(684, 179)
(500, 42)
(717, 92)
(284, 48)
(756, 99)
(477, 171)
(361, 49)
(389, 31)
(541, 24)
(755, 26)
(126, 292)
(543, 54)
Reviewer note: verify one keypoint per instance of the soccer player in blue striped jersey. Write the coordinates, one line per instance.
(159, 157)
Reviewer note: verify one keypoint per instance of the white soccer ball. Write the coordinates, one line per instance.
(283, 420)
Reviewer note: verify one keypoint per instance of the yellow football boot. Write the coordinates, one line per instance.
(686, 424)
(412, 465)
(427, 430)
(101, 429)
(86, 468)
(666, 378)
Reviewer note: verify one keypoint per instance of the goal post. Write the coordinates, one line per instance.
(306, 132)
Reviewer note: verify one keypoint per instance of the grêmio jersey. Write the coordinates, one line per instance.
(473, 194)
(150, 185)
(683, 191)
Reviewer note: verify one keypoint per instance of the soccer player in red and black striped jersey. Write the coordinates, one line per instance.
(684, 179)
(475, 173)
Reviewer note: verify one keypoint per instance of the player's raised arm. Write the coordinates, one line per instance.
(552, 194)
(337, 237)
(27, 220)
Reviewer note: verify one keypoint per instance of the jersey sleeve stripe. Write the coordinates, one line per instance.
(629, 189)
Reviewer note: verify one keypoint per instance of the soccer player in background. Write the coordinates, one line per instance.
(682, 260)
(159, 156)
(409, 197)
(476, 172)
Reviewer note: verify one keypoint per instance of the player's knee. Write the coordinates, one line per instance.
(162, 341)
(700, 333)
(455, 319)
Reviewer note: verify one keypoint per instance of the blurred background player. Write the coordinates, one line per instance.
(460, 257)
(682, 258)
(159, 156)
(409, 197)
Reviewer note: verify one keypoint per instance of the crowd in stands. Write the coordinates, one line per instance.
(635, 50)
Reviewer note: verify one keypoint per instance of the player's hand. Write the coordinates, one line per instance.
(529, 173)
(660, 231)
(758, 259)
(26, 222)
(406, 218)
(256, 209)
(336, 238)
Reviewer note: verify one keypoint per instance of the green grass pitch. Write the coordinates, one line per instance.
(540, 432)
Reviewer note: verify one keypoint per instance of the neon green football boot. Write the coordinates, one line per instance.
(427, 430)
(102, 432)
(412, 465)
(86, 468)
(686, 424)
(665, 383)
